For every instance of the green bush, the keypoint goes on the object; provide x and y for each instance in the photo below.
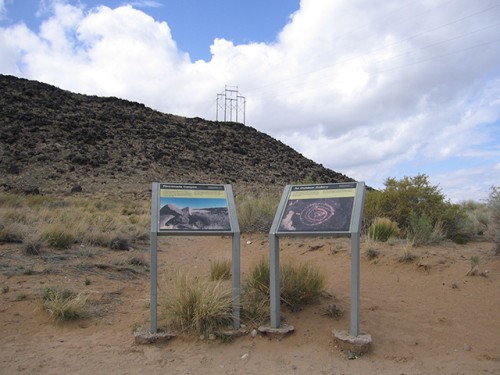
(400, 198)
(382, 229)
(478, 218)
(421, 229)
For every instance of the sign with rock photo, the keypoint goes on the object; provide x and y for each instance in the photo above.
(193, 207)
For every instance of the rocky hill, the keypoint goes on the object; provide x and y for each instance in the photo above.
(52, 140)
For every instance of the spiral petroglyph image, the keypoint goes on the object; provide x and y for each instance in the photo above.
(324, 214)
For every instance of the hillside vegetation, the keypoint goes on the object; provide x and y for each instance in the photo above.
(51, 140)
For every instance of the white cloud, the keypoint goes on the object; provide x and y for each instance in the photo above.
(365, 88)
(465, 184)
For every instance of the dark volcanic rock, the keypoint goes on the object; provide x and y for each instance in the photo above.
(117, 144)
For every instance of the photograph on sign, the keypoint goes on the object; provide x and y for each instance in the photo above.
(193, 208)
(318, 208)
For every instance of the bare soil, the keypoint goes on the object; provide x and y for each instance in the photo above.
(425, 317)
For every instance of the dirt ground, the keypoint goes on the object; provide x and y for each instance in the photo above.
(425, 317)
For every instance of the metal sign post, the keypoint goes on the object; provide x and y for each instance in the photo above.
(318, 210)
(194, 209)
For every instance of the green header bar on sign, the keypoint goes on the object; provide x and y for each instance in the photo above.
(326, 193)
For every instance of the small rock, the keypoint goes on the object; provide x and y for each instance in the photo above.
(467, 348)
(31, 190)
(211, 337)
(351, 355)
(249, 242)
(244, 356)
(76, 189)
(142, 337)
(253, 333)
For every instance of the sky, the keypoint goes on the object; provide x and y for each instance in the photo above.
(370, 89)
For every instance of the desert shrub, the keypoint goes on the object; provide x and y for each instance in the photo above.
(372, 254)
(299, 283)
(32, 244)
(59, 238)
(256, 214)
(64, 304)
(400, 198)
(137, 260)
(407, 257)
(220, 270)
(420, 229)
(119, 243)
(13, 232)
(382, 229)
(474, 266)
(200, 307)
(478, 217)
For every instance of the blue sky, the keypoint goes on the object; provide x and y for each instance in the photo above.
(369, 89)
(194, 23)
(195, 202)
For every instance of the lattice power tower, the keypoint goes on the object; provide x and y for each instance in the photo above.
(230, 105)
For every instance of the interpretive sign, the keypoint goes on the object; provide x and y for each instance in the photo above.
(193, 210)
(192, 207)
(318, 208)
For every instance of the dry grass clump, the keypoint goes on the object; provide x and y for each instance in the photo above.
(198, 306)
(32, 244)
(61, 222)
(256, 214)
(220, 270)
(59, 238)
(407, 257)
(299, 283)
(64, 304)
(372, 253)
(382, 229)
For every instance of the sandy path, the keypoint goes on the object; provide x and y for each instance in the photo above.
(425, 317)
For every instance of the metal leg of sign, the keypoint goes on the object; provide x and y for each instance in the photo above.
(154, 282)
(355, 240)
(274, 268)
(236, 280)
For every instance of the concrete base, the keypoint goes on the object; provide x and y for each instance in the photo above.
(277, 332)
(235, 332)
(142, 337)
(353, 345)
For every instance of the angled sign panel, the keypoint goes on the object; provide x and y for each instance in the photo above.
(321, 208)
(193, 207)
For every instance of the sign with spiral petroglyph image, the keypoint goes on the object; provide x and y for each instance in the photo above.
(318, 208)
